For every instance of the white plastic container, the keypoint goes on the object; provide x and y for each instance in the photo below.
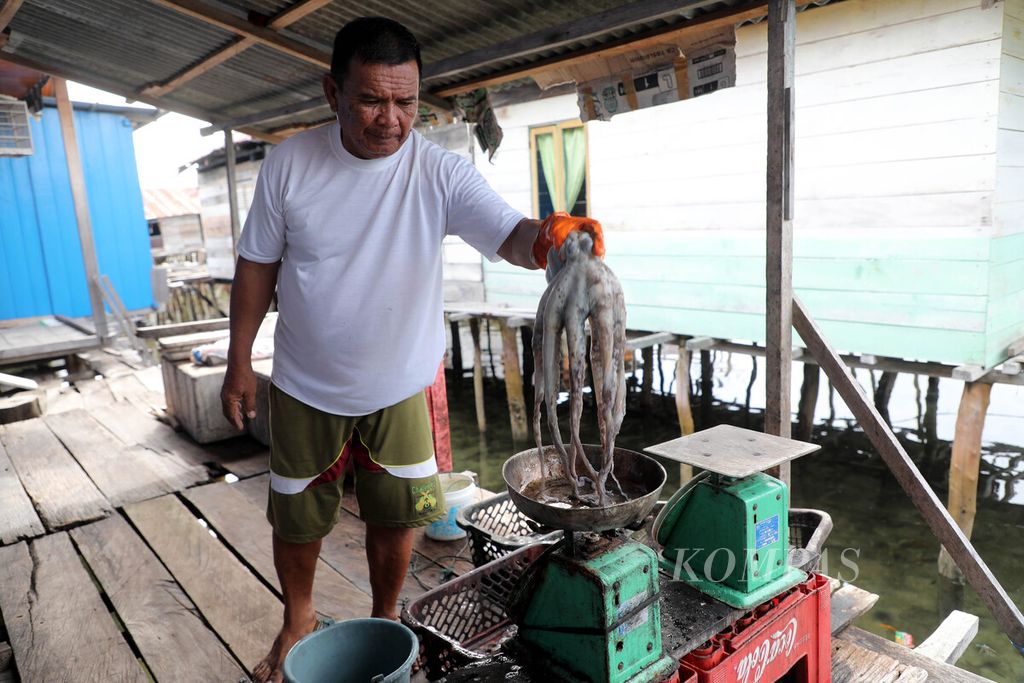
(459, 490)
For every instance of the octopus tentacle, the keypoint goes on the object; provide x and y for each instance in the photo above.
(581, 288)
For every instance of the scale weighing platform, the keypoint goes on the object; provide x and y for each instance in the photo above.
(726, 531)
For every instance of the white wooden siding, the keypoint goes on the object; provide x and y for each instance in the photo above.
(908, 114)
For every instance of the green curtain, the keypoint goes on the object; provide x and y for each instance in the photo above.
(546, 151)
(574, 141)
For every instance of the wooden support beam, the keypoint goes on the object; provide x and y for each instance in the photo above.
(650, 340)
(268, 115)
(478, 375)
(236, 229)
(965, 465)
(232, 49)
(157, 331)
(215, 16)
(7, 13)
(808, 401)
(779, 259)
(968, 373)
(81, 201)
(910, 479)
(647, 385)
(526, 333)
(700, 343)
(513, 382)
(1012, 367)
(119, 89)
(631, 42)
(707, 374)
(683, 409)
(456, 349)
(883, 392)
(615, 19)
(950, 640)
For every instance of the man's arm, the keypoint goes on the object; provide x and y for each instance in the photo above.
(517, 248)
(251, 293)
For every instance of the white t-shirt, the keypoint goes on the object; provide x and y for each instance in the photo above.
(360, 290)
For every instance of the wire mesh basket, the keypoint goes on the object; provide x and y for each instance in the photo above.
(465, 620)
(496, 527)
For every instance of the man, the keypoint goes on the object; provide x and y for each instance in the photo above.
(347, 223)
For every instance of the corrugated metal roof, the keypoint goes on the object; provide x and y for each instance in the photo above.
(126, 45)
(164, 203)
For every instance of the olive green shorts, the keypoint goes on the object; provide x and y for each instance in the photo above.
(391, 453)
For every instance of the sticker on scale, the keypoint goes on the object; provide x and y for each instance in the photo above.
(636, 622)
(766, 532)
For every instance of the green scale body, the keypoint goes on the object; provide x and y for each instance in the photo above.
(596, 617)
(734, 536)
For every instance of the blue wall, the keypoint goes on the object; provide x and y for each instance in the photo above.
(41, 269)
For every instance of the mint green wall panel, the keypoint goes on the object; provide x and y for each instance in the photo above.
(925, 299)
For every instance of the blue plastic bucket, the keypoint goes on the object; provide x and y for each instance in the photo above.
(356, 651)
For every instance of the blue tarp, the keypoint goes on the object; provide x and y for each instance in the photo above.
(41, 268)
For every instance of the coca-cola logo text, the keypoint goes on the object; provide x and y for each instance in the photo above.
(752, 666)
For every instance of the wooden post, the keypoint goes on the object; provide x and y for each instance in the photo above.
(683, 409)
(526, 332)
(229, 155)
(977, 573)
(513, 382)
(964, 466)
(883, 392)
(647, 353)
(931, 418)
(456, 351)
(707, 374)
(808, 401)
(779, 221)
(81, 201)
(478, 375)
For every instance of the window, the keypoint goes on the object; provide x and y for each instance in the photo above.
(559, 165)
(15, 133)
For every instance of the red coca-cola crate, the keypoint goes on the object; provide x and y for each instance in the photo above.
(787, 639)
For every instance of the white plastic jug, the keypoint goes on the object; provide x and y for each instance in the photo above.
(459, 490)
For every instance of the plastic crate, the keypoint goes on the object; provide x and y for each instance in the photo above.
(465, 620)
(786, 638)
(496, 527)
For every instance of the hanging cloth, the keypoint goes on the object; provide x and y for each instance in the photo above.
(574, 142)
(546, 150)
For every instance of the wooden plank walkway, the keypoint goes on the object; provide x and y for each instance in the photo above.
(166, 572)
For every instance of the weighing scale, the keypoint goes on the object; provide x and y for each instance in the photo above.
(726, 531)
(589, 606)
(592, 607)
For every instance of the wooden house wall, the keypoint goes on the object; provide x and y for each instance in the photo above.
(215, 215)
(898, 107)
(1006, 282)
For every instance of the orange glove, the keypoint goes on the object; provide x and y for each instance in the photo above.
(557, 227)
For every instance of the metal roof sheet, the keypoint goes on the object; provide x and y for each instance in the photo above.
(124, 46)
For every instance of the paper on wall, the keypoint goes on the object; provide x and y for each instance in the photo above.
(644, 78)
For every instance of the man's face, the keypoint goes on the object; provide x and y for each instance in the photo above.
(376, 106)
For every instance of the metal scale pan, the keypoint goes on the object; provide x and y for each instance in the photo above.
(641, 476)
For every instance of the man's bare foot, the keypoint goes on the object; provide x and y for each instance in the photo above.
(272, 667)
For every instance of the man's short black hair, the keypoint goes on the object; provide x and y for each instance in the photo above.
(373, 40)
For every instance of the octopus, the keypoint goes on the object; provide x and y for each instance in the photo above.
(581, 289)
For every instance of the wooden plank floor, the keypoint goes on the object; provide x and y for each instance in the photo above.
(125, 555)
